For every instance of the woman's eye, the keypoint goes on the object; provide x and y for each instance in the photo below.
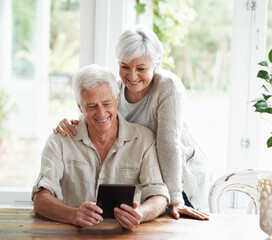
(141, 69)
(125, 67)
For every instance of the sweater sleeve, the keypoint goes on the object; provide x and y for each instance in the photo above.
(170, 119)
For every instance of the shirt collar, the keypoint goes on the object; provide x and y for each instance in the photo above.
(82, 131)
(126, 131)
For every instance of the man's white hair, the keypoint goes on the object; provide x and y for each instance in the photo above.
(90, 77)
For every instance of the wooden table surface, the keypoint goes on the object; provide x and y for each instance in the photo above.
(24, 224)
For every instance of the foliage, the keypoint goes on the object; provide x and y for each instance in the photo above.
(203, 60)
(64, 43)
(6, 108)
(264, 104)
(23, 35)
(196, 39)
(139, 7)
(171, 22)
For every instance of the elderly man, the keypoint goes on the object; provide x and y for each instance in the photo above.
(107, 149)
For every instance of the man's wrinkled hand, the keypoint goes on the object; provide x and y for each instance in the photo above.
(127, 216)
(88, 214)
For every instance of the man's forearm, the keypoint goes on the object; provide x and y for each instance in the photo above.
(153, 207)
(50, 207)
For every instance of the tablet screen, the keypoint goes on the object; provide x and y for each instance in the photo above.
(113, 195)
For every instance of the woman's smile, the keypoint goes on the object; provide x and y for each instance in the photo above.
(134, 82)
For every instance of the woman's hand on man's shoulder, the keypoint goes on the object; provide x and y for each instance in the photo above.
(66, 126)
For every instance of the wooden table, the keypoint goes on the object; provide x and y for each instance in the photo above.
(24, 224)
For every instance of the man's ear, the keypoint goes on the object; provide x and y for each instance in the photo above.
(79, 108)
(117, 99)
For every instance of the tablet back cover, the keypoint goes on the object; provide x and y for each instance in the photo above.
(113, 195)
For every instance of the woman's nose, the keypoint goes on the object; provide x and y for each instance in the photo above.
(132, 76)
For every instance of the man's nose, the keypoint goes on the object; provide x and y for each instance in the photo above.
(100, 112)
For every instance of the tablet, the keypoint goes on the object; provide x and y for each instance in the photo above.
(113, 195)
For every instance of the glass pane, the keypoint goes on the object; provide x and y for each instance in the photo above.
(206, 68)
(64, 58)
(23, 39)
(39, 95)
(197, 38)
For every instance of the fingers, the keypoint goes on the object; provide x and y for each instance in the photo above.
(75, 122)
(195, 214)
(127, 216)
(123, 221)
(175, 213)
(87, 221)
(59, 130)
(88, 214)
(65, 126)
(182, 209)
(129, 211)
(135, 205)
(93, 207)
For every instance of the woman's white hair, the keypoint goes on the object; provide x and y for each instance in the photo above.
(137, 42)
(92, 76)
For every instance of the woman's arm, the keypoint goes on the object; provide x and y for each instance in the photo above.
(172, 154)
(170, 118)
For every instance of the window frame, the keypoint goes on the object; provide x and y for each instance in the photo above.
(248, 49)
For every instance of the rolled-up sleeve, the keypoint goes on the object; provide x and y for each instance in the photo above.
(51, 169)
(150, 176)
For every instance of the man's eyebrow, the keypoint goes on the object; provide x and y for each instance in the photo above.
(90, 103)
(107, 101)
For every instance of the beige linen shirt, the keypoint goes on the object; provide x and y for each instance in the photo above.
(71, 169)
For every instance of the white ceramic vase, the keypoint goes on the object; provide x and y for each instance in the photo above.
(265, 183)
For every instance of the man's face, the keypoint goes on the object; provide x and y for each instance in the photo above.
(99, 108)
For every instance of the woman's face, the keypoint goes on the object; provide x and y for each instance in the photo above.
(137, 74)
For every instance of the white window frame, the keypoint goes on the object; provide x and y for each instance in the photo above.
(21, 198)
(248, 48)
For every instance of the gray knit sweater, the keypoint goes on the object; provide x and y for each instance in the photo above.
(183, 165)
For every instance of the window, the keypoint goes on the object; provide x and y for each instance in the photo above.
(39, 59)
(204, 67)
(39, 55)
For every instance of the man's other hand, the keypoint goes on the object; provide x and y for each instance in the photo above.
(127, 216)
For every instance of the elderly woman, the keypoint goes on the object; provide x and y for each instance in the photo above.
(156, 98)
